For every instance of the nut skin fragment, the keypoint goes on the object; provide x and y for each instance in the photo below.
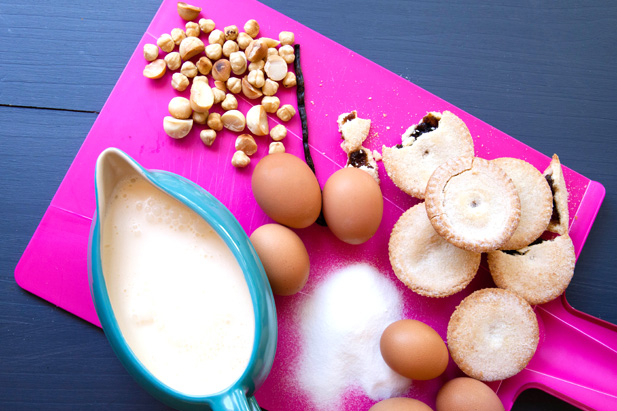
(178, 35)
(276, 68)
(179, 82)
(214, 121)
(270, 88)
(231, 32)
(200, 118)
(207, 137)
(206, 25)
(271, 104)
(166, 43)
(249, 91)
(238, 62)
(230, 102)
(234, 120)
(214, 51)
(180, 108)
(240, 159)
(286, 112)
(270, 42)
(287, 38)
(244, 40)
(221, 70)
(287, 53)
(202, 97)
(176, 128)
(276, 147)
(246, 143)
(192, 29)
(234, 85)
(187, 11)
(151, 52)
(188, 69)
(229, 47)
(256, 50)
(216, 37)
(256, 78)
(156, 69)
(219, 95)
(278, 132)
(190, 47)
(289, 80)
(257, 120)
(251, 28)
(173, 61)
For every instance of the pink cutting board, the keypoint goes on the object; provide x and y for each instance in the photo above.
(54, 265)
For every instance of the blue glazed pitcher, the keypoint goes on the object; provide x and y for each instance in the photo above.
(112, 166)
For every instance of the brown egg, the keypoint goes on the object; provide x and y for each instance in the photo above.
(283, 256)
(400, 404)
(286, 190)
(467, 394)
(352, 205)
(414, 350)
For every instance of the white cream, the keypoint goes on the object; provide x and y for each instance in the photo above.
(176, 289)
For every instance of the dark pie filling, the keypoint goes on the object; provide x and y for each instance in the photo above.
(429, 123)
(555, 218)
(518, 252)
(358, 159)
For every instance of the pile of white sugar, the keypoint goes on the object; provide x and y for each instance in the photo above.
(341, 324)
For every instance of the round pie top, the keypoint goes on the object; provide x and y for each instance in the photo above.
(536, 201)
(473, 204)
(538, 273)
(424, 261)
(410, 164)
(492, 334)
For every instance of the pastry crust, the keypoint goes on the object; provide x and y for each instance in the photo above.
(536, 201)
(410, 166)
(538, 273)
(560, 219)
(492, 334)
(473, 204)
(354, 131)
(424, 261)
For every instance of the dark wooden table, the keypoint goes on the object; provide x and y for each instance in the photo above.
(542, 71)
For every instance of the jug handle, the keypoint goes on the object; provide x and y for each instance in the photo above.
(236, 400)
(576, 360)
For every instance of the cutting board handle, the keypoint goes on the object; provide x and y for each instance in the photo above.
(576, 360)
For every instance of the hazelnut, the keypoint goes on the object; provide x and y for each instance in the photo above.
(270, 87)
(219, 95)
(190, 47)
(287, 38)
(179, 82)
(220, 85)
(216, 37)
(278, 132)
(234, 120)
(270, 42)
(214, 121)
(173, 60)
(204, 65)
(251, 28)
(244, 40)
(229, 47)
(201, 94)
(256, 50)
(257, 65)
(230, 102)
(200, 118)
(240, 159)
(178, 35)
(231, 32)
(166, 43)
(238, 62)
(246, 143)
(257, 120)
(270, 104)
(272, 52)
(151, 52)
(288, 54)
(221, 70)
(234, 85)
(214, 51)
(180, 108)
(206, 25)
(176, 128)
(192, 29)
(188, 69)
(188, 12)
(207, 137)
(289, 80)
(286, 112)
(276, 147)
(276, 68)
(156, 69)
(249, 91)
(256, 78)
